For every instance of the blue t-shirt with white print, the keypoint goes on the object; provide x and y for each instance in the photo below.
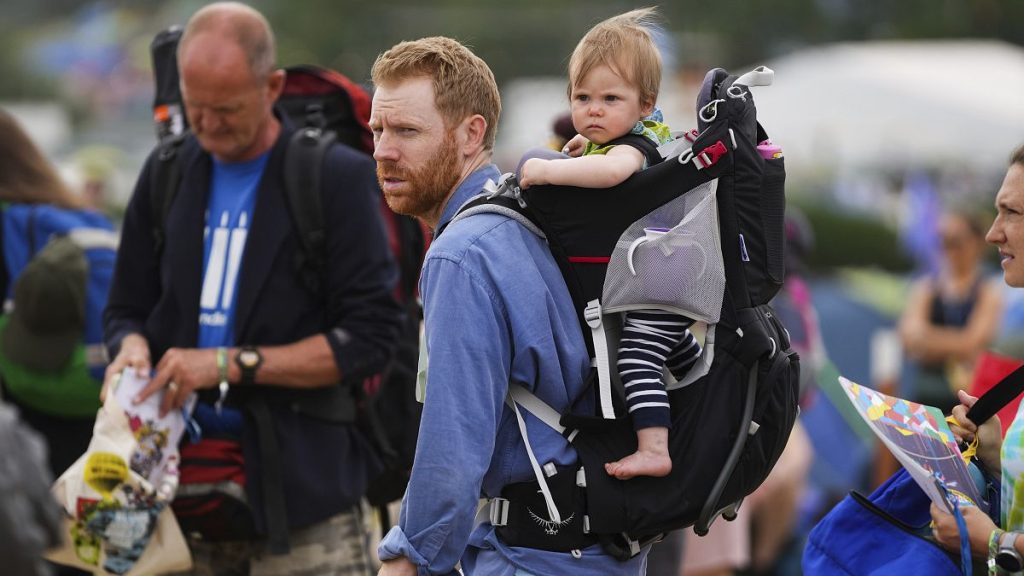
(228, 218)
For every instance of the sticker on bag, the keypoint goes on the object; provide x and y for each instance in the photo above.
(115, 496)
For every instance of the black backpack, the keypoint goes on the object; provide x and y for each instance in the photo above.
(732, 414)
(330, 108)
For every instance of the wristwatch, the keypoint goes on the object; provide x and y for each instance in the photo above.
(1007, 558)
(249, 360)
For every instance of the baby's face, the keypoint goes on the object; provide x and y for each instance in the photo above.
(605, 106)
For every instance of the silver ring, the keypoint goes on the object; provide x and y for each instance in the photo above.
(173, 387)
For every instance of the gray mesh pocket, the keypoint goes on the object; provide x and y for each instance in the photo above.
(671, 259)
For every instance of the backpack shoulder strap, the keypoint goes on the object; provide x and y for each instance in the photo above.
(164, 182)
(303, 168)
(645, 146)
(997, 397)
(503, 198)
(505, 205)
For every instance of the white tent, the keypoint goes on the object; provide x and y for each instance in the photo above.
(897, 104)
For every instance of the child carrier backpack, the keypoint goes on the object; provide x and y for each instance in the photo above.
(328, 107)
(699, 234)
(54, 308)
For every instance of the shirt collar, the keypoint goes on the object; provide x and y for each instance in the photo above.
(470, 187)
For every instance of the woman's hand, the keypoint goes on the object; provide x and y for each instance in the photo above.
(989, 434)
(979, 528)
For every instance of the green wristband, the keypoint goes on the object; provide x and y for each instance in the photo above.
(222, 364)
(993, 549)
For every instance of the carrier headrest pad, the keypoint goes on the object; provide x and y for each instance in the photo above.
(708, 92)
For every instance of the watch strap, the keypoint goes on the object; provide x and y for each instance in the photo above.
(248, 371)
(1008, 551)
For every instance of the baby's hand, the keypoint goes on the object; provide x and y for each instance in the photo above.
(575, 146)
(533, 173)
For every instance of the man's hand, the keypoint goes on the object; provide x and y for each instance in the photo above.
(134, 353)
(182, 371)
(400, 566)
(575, 146)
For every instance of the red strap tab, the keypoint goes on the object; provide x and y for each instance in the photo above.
(589, 259)
(710, 155)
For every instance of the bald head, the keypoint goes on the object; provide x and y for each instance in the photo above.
(229, 82)
(240, 24)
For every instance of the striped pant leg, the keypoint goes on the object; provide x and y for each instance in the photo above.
(648, 338)
(684, 355)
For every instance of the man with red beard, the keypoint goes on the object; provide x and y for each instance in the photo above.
(496, 310)
(219, 311)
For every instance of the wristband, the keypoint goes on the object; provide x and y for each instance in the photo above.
(993, 549)
(222, 363)
(222, 371)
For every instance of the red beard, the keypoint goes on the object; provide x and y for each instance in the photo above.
(427, 186)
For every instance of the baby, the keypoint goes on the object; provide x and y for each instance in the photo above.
(614, 77)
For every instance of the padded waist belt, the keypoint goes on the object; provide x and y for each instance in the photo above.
(520, 516)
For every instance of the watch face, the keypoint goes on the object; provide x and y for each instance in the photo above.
(249, 358)
(1009, 561)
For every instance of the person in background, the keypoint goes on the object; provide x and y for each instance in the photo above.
(28, 177)
(1003, 457)
(952, 317)
(95, 166)
(496, 310)
(264, 351)
(562, 131)
(30, 518)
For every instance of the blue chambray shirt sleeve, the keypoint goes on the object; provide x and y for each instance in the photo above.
(469, 347)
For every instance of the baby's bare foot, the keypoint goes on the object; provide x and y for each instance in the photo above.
(640, 463)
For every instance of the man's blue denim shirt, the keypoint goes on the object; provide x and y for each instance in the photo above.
(496, 310)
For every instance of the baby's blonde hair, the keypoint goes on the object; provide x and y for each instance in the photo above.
(625, 44)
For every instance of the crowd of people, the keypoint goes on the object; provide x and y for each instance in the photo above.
(225, 320)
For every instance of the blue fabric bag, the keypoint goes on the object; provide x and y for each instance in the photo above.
(882, 534)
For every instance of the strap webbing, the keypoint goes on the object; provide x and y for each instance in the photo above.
(592, 314)
(549, 500)
(274, 509)
(89, 238)
(997, 397)
(536, 406)
(303, 167)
